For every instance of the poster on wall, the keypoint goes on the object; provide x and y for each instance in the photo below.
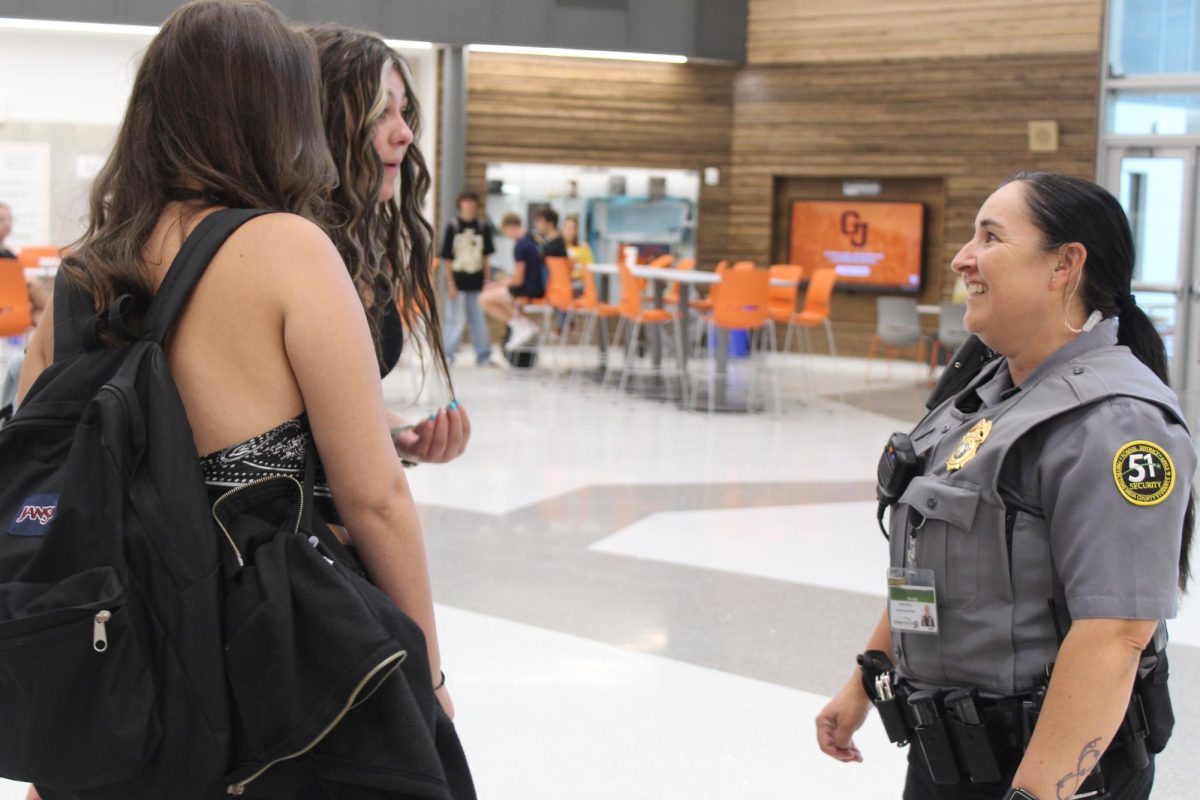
(873, 245)
(25, 187)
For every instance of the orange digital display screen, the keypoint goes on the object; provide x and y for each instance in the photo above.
(872, 245)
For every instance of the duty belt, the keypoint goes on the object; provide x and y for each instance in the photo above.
(964, 736)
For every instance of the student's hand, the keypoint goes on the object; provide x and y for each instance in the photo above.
(839, 719)
(437, 440)
(32, 794)
(453, 291)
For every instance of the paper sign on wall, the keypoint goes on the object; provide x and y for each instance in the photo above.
(25, 187)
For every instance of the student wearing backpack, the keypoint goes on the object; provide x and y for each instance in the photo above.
(467, 249)
(375, 218)
(271, 354)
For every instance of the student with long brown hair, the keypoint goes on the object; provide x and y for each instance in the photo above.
(273, 351)
(374, 216)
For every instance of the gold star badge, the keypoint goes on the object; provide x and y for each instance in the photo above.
(969, 446)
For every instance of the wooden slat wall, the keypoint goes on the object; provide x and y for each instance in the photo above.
(959, 120)
(605, 113)
(824, 31)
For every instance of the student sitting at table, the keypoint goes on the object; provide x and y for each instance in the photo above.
(526, 281)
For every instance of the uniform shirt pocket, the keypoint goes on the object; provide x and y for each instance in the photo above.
(942, 516)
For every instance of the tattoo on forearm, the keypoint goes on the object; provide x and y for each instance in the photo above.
(1088, 759)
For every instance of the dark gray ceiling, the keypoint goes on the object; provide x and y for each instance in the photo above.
(711, 29)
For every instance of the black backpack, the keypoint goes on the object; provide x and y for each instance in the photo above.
(110, 581)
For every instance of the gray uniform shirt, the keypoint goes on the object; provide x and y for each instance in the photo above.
(1047, 508)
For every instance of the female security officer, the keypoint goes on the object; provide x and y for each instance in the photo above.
(1053, 494)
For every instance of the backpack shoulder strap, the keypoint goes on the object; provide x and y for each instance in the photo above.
(74, 319)
(189, 266)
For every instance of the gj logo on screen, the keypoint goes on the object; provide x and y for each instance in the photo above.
(34, 516)
(854, 228)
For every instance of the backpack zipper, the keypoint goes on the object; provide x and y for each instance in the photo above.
(244, 487)
(394, 661)
(99, 632)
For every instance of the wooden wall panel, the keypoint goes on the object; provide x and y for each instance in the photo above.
(604, 113)
(824, 31)
(958, 121)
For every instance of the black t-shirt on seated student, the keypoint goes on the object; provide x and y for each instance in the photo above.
(534, 284)
(465, 245)
(555, 247)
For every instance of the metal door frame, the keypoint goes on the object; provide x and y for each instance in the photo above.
(1185, 366)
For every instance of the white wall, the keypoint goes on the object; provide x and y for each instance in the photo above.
(69, 90)
(66, 77)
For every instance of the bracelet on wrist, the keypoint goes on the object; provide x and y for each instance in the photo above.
(441, 683)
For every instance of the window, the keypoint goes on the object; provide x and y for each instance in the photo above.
(1153, 37)
(1153, 113)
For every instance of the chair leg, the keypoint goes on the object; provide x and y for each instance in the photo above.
(712, 372)
(935, 351)
(680, 344)
(630, 355)
(872, 352)
(609, 369)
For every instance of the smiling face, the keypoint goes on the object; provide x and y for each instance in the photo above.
(392, 135)
(1015, 288)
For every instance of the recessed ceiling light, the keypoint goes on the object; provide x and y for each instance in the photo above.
(569, 53)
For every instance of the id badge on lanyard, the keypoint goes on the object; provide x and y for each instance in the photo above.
(912, 600)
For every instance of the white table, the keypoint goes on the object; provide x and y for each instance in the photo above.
(33, 273)
(686, 278)
(931, 309)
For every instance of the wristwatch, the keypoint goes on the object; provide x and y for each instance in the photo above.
(1019, 794)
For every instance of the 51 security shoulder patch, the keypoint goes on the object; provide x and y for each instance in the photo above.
(1144, 473)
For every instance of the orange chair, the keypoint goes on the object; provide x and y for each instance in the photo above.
(742, 266)
(633, 317)
(16, 309)
(590, 307)
(558, 290)
(663, 262)
(32, 256)
(706, 303)
(671, 298)
(742, 304)
(559, 295)
(817, 302)
(783, 298)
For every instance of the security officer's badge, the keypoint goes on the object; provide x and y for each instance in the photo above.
(1144, 473)
(969, 446)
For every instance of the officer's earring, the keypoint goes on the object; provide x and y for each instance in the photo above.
(1093, 319)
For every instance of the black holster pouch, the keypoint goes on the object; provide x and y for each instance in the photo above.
(971, 734)
(888, 697)
(1156, 704)
(932, 733)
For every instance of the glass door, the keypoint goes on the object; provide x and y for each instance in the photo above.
(1157, 187)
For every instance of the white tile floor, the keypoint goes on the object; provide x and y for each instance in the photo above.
(546, 715)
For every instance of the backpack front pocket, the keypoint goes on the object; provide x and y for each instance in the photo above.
(76, 691)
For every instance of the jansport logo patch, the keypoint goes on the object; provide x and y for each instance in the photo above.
(34, 515)
(1144, 473)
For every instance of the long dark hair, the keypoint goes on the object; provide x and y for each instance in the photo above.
(387, 247)
(226, 100)
(1067, 209)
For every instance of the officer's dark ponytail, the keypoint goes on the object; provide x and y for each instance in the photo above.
(1067, 209)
